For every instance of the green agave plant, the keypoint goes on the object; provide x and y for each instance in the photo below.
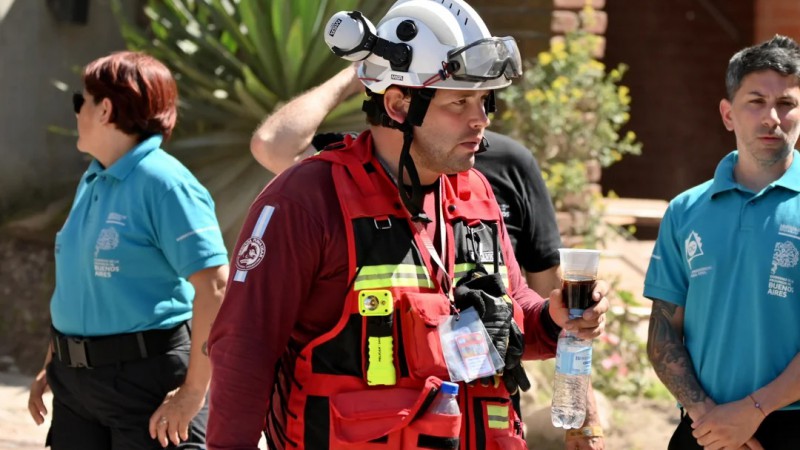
(235, 61)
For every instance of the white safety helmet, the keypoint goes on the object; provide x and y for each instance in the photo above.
(441, 44)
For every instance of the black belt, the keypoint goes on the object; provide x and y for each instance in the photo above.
(89, 352)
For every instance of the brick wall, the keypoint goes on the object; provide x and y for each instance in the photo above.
(527, 20)
(568, 16)
(777, 16)
(677, 51)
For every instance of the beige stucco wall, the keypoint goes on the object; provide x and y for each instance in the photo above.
(36, 50)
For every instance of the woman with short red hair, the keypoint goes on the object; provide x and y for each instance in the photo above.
(141, 270)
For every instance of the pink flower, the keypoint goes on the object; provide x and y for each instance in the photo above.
(615, 360)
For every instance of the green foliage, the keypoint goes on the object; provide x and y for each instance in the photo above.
(236, 61)
(569, 110)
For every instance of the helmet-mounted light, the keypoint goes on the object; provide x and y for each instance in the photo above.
(351, 36)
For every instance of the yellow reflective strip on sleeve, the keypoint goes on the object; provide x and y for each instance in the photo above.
(498, 416)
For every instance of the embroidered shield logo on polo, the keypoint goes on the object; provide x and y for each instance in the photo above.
(694, 247)
(250, 254)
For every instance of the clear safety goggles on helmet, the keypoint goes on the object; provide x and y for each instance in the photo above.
(486, 59)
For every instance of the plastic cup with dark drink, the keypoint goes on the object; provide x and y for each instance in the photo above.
(579, 267)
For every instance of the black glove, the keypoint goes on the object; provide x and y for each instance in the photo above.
(487, 295)
(514, 375)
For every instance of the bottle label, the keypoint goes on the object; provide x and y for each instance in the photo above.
(574, 360)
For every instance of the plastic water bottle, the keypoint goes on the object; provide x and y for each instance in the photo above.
(573, 373)
(446, 402)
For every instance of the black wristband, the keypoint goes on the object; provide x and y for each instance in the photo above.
(550, 327)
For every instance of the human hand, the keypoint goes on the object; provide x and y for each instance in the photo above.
(354, 84)
(170, 422)
(752, 444)
(730, 425)
(592, 323)
(574, 442)
(36, 406)
(699, 409)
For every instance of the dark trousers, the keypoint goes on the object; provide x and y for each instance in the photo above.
(109, 407)
(778, 431)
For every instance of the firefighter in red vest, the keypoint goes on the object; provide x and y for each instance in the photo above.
(369, 274)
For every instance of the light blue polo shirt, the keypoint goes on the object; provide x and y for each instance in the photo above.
(730, 256)
(136, 232)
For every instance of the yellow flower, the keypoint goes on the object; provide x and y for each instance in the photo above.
(534, 96)
(577, 93)
(560, 82)
(630, 136)
(559, 50)
(545, 58)
(624, 95)
(597, 65)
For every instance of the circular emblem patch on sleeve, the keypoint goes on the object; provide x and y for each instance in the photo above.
(250, 254)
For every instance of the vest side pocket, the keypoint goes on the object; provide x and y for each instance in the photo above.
(433, 431)
(421, 314)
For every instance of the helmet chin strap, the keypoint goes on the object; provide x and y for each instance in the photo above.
(412, 200)
(420, 100)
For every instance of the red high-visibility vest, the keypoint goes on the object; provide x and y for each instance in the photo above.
(329, 393)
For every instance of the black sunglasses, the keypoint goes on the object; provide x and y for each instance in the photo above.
(77, 102)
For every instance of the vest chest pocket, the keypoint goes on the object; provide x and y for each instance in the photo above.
(420, 317)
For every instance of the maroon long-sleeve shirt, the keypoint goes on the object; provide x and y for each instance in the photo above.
(294, 286)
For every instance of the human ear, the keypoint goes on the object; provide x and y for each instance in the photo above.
(106, 110)
(396, 104)
(725, 108)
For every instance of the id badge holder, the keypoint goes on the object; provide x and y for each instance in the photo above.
(468, 351)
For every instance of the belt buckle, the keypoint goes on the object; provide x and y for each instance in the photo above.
(77, 352)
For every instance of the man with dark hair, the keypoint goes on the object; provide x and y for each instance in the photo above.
(724, 335)
(288, 136)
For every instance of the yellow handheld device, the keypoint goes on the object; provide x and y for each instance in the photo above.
(377, 306)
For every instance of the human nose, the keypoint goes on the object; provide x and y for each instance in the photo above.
(771, 118)
(480, 118)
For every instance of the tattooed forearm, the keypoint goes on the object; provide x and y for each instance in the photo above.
(669, 356)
